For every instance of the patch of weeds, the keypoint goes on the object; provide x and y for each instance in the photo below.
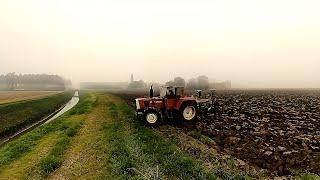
(228, 176)
(176, 141)
(207, 140)
(204, 139)
(231, 163)
(71, 132)
(307, 176)
(51, 162)
(195, 134)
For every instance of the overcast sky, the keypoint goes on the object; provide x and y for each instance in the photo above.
(271, 43)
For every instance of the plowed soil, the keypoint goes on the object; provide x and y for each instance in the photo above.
(277, 130)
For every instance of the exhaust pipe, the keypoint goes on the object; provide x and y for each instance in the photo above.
(151, 92)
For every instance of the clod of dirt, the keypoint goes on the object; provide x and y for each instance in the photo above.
(268, 153)
(280, 148)
(233, 140)
(287, 153)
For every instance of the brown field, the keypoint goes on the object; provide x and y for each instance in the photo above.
(13, 96)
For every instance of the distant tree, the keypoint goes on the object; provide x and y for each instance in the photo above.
(203, 82)
(2, 78)
(11, 81)
(192, 84)
(170, 83)
(178, 81)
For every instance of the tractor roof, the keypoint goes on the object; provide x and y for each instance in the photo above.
(172, 86)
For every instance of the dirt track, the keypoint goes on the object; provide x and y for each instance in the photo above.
(275, 130)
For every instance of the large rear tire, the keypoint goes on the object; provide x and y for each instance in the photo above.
(151, 118)
(188, 112)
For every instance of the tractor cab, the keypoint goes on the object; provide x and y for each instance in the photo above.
(172, 92)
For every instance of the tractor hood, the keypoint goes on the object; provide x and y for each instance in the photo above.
(141, 102)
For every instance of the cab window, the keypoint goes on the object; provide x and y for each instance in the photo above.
(170, 93)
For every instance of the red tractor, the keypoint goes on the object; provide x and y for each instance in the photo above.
(174, 103)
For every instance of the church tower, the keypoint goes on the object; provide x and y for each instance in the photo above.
(131, 80)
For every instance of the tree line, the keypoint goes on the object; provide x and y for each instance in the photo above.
(201, 82)
(13, 81)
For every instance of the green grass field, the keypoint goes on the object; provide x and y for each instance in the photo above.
(101, 138)
(17, 115)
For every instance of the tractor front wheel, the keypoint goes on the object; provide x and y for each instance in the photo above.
(151, 118)
(188, 112)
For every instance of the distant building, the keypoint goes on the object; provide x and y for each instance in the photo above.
(132, 79)
(136, 84)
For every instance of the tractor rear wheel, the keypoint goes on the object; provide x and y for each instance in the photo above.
(151, 118)
(188, 112)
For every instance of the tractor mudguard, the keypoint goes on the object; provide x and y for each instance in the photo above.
(182, 102)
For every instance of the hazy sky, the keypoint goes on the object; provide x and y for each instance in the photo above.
(267, 43)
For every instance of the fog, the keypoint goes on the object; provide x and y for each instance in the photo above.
(255, 44)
